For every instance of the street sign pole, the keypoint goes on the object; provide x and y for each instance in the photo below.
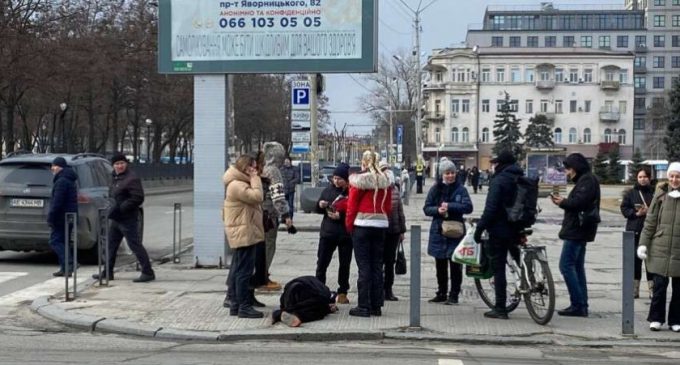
(314, 153)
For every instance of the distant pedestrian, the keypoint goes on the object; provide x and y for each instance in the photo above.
(394, 235)
(369, 204)
(474, 178)
(420, 176)
(405, 184)
(579, 226)
(447, 200)
(660, 248)
(461, 175)
(333, 234)
(304, 299)
(243, 225)
(634, 207)
(127, 195)
(64, 200)
(291, 178)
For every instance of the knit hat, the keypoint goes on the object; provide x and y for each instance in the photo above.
(384, 164)
(118, 157)
(504, 158)
(673, 167)
(445, 166)
(59, 161)
(342, 171)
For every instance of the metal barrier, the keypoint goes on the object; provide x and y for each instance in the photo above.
(71, 230)
(176, 238)
(415, 277)
(628, 302)
(103, 247)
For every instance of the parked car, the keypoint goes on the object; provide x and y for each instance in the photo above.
(25, 193)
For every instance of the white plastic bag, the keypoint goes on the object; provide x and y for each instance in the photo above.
(468, 251)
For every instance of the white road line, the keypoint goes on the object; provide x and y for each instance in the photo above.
(447, 351)
(450, 362)
(8, 275)
(48, 287)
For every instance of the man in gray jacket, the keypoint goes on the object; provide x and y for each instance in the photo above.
(291, 177)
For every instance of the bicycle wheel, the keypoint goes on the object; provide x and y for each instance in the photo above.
(540, 298)
(486, 290)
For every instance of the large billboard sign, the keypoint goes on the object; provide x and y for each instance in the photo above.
(267, 36)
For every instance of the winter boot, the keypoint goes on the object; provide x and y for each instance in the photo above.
(389, 295)
(636, 289)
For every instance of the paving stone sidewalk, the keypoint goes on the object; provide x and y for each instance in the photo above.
(186, 303)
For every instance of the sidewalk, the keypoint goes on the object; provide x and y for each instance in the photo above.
(186, 303)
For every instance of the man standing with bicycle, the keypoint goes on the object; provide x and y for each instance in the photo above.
(503, 235)
(579, 226)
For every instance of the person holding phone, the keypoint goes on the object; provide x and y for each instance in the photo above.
(634, 207)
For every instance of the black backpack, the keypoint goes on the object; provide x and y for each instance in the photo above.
(524, 208)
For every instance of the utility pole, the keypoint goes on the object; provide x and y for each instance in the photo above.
(419, 92)
(314, 150)
(390, 140)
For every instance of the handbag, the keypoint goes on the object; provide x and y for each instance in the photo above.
(267, 222)
(400, 264)
(453, 229)
(591, 216)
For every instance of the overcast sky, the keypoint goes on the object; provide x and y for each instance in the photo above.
(444, 23)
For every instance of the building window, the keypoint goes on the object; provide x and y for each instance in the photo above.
(529, 75)
(586, 135)
(529, 106)
(675, 61)
(572, 135)
(465, 136)
(586, 41)
(568, 21)
(622, 41)
(460, 75)
(532, 41)
(559, 75)
(659, 41)
(588, 75)
(607, 135)
(623, 106)
(587, 106)
(639, 123)
(466, 105)
(486, 74)
(515, 41)
(623, 76)
(675, 41)
(544, 106)
(658, 82)
(437, 108)
(640, 82)
(455, 105)
(558, 107)
(515, 74)
(454, 135)
(568, 41)
(557, 135)
(550, 41)
(622, 136)
(485, 106)
(485, 135)
(640, 41)
(572, 106)
(500, 74)
(545, 75)
(604, 41)
(496, 41)
(514, 105)
(659, 61)
(639, 104)
(675, 20)
(659, 20)
(676, 2)
(659, 2)
(573, 75)
(437, 135)
(640, 61)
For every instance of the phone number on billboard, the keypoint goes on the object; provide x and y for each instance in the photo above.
(307, 22)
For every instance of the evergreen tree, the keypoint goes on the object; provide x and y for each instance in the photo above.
(538, 133)
(506, 131)
(672, 139)
(635, 166)
(600, 167)
(614, 168)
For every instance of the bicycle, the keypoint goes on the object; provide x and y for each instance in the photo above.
(528, 277)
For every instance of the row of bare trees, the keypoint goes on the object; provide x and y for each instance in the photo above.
(81, 75)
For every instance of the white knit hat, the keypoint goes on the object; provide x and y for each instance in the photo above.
(673, 167)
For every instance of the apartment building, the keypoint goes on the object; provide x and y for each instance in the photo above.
(587, 94)
(648, 28)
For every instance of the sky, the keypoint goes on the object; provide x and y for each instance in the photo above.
(444, 24)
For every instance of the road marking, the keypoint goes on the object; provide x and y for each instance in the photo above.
(47, 287)
(450, 362)
(172, 211)
(8, 275)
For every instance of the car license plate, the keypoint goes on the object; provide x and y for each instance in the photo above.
(27, 203)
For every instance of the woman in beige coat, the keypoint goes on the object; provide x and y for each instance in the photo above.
(242, 214)
(660, 248)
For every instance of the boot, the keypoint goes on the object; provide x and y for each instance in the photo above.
(453, 299)
(144, 278)
(636, 289)
(650, 285)
(496, 314)
(249, 312)
(389, 295)
(439, 298)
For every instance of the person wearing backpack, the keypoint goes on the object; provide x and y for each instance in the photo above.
(503, 234)
(579, 226)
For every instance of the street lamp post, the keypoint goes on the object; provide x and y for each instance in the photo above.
(148, 123)
(62, 137)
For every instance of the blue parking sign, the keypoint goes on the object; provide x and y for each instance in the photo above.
(300, 97)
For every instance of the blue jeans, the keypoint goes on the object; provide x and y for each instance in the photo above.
(58, 243)
(290, 198)
(572, 267)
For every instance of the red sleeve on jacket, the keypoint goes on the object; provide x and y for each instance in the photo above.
(341, 205)
(352, 208)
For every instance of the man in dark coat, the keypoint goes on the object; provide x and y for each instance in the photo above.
(127, 195)
(577, 230)
(304, 299)
(64, 200)
(291, 177)
(333, 205)
(503, 235)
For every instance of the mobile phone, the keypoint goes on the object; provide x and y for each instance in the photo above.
(638, 206)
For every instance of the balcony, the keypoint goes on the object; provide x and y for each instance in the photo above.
(434, 117)
(545, 84)
(550, 116)
(640, 69)
(451, 146)
(434, 86)
(610, 85)
(609, 114)
(641, 48)
(640, 90)
(640, 110)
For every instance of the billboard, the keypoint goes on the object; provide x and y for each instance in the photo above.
(267, 36)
